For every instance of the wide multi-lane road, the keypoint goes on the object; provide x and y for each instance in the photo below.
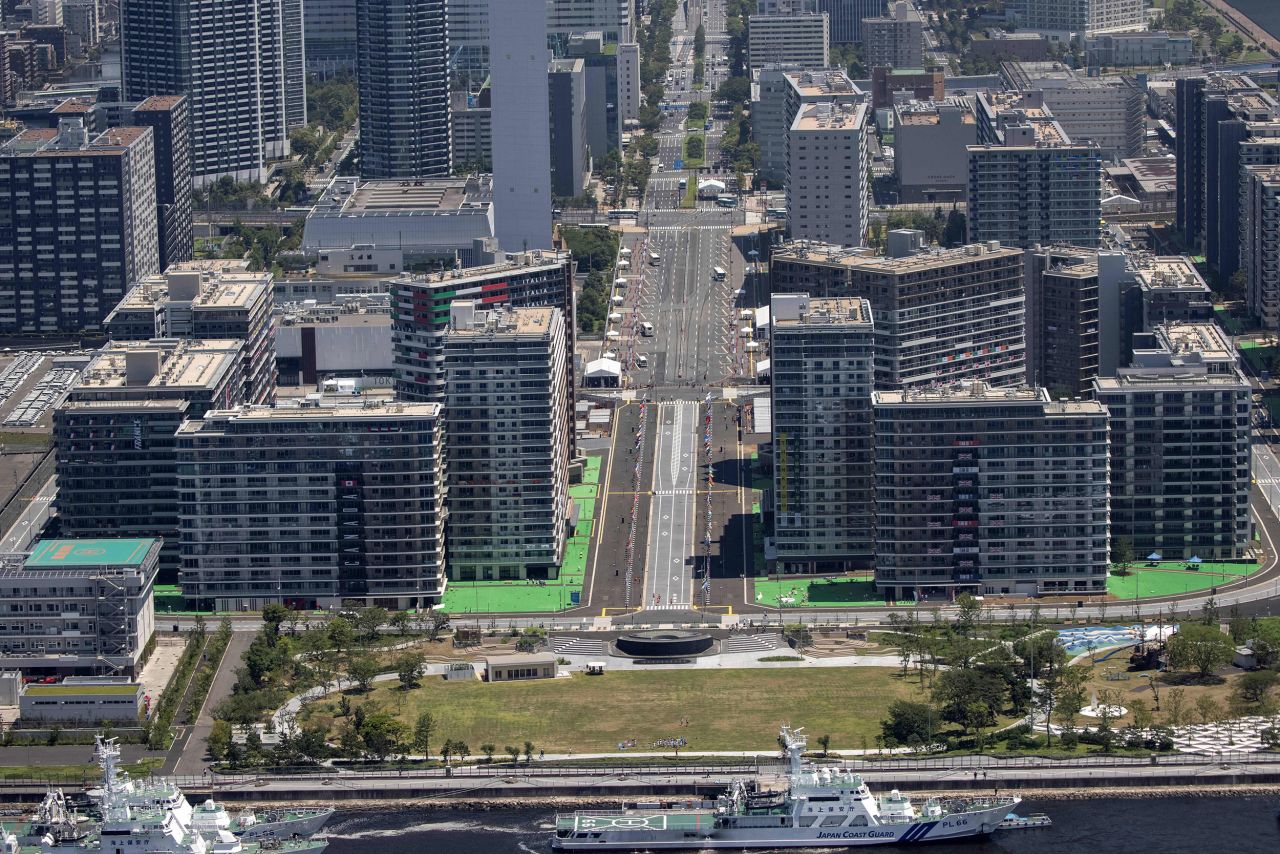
(691, 313)
(672, 520)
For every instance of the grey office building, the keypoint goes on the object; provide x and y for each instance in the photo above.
(361, 522)
(989, 491)
(228, 56)
(822, 355)
(77, 224)
(403, 72)
(846, 17)
(1180, 445)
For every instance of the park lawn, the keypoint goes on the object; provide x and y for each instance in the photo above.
(726, 709)
(694, 162)
(1259, 356)
(141, 768)
(1171, 577)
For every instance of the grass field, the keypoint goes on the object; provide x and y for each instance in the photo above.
(141, 768)
(1257, 355)
(819, 592)
(1171, 577)
(513, 597)
(726, 709)
(694, 162)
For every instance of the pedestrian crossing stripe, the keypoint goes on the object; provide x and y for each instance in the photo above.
(673, 492)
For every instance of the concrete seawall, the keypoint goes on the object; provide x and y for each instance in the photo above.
(589, 790)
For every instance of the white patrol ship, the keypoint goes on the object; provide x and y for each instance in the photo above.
(821, 808)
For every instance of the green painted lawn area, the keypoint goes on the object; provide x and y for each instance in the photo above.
(1225, 319)
(1171, 577)
(503, 597)
(819, 592)
(726, 709)
(141, 768)
(1258, 356)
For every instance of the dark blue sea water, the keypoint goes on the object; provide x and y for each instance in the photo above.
(1265, 13)
(1217, 825)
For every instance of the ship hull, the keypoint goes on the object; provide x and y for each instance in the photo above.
(303, 825)
(952, 827)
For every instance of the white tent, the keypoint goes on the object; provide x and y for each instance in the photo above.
(612, 335)
(614, 317)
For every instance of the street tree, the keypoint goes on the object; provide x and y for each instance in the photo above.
(409, 668)
(488, 750)
(1175, 707)
(969, 698)
(968, 610)
(362, 669)
(423, 729)
(513, 752)
(1202, 648)
(369, 620)
(400, 621)
(910, 723)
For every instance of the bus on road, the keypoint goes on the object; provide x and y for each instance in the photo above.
(718, 274)
(624, 213)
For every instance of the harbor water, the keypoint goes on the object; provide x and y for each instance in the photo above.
(1265, 13)
(1176, 825)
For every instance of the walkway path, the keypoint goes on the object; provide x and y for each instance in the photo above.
(186, 756)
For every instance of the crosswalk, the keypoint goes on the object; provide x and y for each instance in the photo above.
(673, 492)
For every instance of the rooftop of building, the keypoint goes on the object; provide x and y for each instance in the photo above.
(930, 112)
(469, 320)
(897, 12)
(1207, 339)
(1171, 272)
(77, 690)
(1265, 173)
(351, 196)
(968, 393)
(315, 407)
(864, 259)
(161, 363)
(1152, 174)
(70, 554)
(203, 285)
(1049, 74)
(71, 139)
(823, 311)
(534, 258)
(817, 83)
(830, 117)
(160, 102)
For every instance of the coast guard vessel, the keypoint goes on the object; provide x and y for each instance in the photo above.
(821, 808)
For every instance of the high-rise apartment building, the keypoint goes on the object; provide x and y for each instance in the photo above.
(113, 435)
(567, 102)
(1085, 17)
(1180, 445)
(940, 315)
(295, 63)
(1108, 111)
(1063, 327)
(781, 94)
(507, 409)
(629, 100)
(403, 71)
(420, 310)
(828, 195)
(169, 117)
(1260, 243)
(362, 520)
(796, 41)
(201, 299)
(228, 57)
(521, 127)
(329, 28)
(822, 352)
(77, 224)
(1224, 123)
(989, 490)
(1031, 184)
(846, 17)
(896, 39)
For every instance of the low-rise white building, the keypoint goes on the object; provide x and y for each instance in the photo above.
(84, 700)
(78, 606)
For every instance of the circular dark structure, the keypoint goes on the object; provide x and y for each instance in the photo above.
(667, 642)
